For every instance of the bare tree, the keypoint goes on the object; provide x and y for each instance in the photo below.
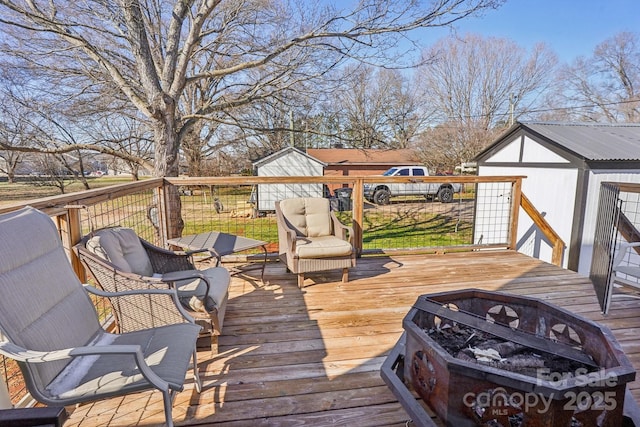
(406, 111)
(606, 86)
(478, 85)
(13, 133)
(376, 108)
(123, 134)
(151, 52)
(54, 172)
(362, 105)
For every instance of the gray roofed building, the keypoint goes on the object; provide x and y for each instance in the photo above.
(593, 141)
(564, 165)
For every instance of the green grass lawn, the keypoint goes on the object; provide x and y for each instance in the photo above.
(25, 190)
(407, 225)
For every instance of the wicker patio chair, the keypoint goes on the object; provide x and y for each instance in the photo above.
(50, 326)
(120, 260)
(311, 238)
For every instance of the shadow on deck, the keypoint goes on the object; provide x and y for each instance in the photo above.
(313, 356)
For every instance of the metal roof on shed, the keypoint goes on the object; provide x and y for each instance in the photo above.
(591, 141)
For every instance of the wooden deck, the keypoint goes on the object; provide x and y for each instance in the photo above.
(312, 357)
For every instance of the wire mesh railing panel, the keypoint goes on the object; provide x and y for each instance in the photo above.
(493, 213)
(604, 241)
(410, 222)
(134, 211)
(245, 210)
(404, 223)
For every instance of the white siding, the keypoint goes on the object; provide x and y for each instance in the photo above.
(552, 191)
(290, 164)
(509, 153)
(536, 153)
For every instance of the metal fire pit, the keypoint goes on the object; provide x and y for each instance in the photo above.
(469, 393)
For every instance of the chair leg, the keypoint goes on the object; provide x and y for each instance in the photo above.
(168, 406)
(196, 373)
(345, 275)
(300, 280)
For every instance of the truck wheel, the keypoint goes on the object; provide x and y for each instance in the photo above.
(445, 195)
(381, 197)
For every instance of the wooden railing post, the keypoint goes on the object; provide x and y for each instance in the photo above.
(516, 195)
(159, 195)
(358, 213)
(71, 231)
(5, 399)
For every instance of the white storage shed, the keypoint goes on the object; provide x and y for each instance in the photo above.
(287, 162)
(564, 164)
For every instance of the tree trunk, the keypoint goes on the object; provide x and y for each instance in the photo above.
(166, 163)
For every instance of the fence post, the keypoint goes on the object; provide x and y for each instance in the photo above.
(71, 227)
(516, 195)
(358, 213)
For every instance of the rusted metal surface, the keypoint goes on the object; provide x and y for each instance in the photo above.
(466, 393)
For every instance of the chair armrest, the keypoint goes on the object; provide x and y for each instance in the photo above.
(195, 251)
(176, 276)
(21, 354)
(624, 247)
(172, 292)
(341, 230)
(285, 233)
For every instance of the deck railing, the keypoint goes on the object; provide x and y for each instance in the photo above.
(483, 215)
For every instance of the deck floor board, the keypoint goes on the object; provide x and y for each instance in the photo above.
(312, 357)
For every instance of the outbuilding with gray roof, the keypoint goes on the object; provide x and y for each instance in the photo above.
(565, 164)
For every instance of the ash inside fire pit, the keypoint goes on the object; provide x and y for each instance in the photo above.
(480, 358)
(472, 345)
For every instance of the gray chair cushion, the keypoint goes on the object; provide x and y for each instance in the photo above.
(192, 292)
(33, 262)
(121, 247)
(165, 349)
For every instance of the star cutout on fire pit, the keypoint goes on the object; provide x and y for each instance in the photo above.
(503, 315)
(565, 334)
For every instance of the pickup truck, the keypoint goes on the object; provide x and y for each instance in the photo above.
(381, 193)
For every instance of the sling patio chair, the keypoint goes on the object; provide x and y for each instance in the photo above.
(625, 272)
(49, 325)
(118, 259)
(311, 238)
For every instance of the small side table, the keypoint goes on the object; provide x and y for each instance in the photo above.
(220, 244)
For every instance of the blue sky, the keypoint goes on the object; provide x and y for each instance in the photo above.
(569, 27)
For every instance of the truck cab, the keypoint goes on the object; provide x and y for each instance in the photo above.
(381, 193)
